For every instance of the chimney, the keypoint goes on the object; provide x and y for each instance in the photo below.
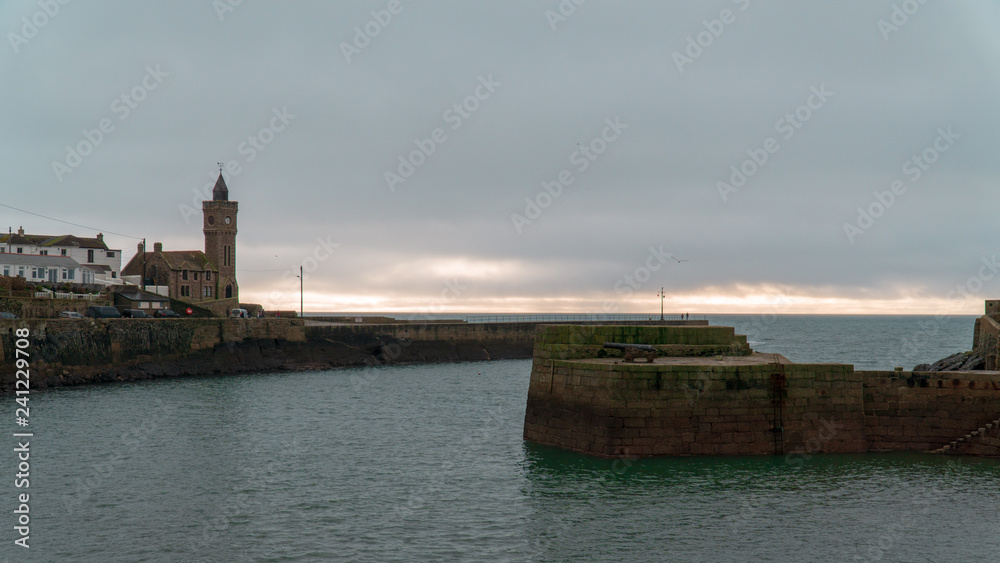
(100, 237)
(140, 248)
(20, 231)
(157, 247)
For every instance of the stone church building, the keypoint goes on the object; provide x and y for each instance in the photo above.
(204, 278)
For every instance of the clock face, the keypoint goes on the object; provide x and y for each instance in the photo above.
(211, 219)
(228, 220)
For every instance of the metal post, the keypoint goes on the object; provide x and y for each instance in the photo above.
(302, 299)
(144, 264)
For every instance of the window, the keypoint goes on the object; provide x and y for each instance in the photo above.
(114, 274)
(44, 252)
(111, 254)
(20, 271)
(63, 252)
(206, 291)
(90, 256)
(185, 291)
(41, 273)
(72, 274)
(20, 250)
(208, 276)
(34, 273)
(196, 276)
(6, 270)
(184, 275)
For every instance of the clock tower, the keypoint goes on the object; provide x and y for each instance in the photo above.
(220, 238)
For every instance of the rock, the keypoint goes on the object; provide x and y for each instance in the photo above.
(963, 361)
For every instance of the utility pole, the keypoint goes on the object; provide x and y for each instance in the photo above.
(144, 264)
(302, 299)
(661, 296)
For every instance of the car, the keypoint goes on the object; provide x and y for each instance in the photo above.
(239, 314)
(135, 314)
(164, 313)
(70, 315)
(6, 315)
(102, 312)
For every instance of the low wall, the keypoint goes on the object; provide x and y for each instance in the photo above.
(32, 308)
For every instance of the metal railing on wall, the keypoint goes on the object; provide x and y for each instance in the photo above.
(576, 318)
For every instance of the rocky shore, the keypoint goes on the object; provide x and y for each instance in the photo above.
(963, 361)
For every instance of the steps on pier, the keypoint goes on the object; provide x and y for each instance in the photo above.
(950, 448)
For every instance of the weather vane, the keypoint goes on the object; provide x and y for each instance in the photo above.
(220, 167)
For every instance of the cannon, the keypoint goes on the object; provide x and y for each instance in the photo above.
(634, 350)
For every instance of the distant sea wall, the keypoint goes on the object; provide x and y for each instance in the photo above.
(725, 406)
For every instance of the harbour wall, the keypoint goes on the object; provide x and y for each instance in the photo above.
(66, 352)
(744, 405)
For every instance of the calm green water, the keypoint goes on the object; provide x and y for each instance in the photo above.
(426, 463)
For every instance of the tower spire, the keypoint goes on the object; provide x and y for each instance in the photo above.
(220, 192)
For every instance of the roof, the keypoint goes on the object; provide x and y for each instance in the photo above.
(53, 241)
(11, 259)
(175, 260)
(139, 295)
(221, 191)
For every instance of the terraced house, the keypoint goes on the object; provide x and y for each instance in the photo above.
(103, 264)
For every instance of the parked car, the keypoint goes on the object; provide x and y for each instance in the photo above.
(239, 314)
(6, 315)
(102, 312)
(164, 313)
(135, 314)
(70, 315)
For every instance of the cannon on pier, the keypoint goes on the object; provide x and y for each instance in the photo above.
(634, 350)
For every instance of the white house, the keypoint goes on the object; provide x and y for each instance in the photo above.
(106, 263)
(41, 268)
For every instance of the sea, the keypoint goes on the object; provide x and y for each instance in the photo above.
(427, 463)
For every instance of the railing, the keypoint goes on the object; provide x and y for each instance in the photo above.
(577, 318)
(60, 295)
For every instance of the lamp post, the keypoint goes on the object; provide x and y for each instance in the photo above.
(302, 301)
(661, 295)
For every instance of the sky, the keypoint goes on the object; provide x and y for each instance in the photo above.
(525, 156)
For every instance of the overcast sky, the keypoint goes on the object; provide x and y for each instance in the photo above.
(740, 136)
